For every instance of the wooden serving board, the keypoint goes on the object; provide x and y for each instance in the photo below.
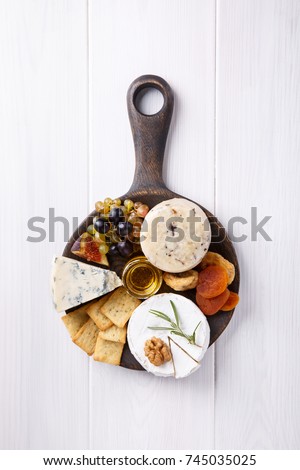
(150, 136)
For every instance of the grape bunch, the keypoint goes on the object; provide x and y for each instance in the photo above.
(118, 225)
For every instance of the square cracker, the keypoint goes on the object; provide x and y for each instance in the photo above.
(120, 307)
(86, 337)
(75, 320)
(114, 333)
(108, 351)
(95, 313)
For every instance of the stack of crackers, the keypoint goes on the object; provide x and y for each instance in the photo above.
(100, 328)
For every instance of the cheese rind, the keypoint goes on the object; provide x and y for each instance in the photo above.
(190, 315)
(175, 235)
(74, 283)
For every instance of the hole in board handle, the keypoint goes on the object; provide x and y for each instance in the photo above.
(149, 101)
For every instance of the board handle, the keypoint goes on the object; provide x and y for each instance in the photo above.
(150, 133)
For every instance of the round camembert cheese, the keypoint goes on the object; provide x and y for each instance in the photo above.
(186, 357)
(175, 235)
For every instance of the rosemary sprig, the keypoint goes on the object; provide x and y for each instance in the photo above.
(174, 328)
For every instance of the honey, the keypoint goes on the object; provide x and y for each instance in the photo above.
(140, 278)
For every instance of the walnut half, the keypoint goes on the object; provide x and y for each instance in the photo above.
(157, 351)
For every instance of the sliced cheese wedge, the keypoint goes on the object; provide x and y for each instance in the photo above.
(183, 361)
(74, 283)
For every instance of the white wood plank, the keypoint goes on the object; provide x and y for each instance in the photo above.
(258, 139)
(43, 141)
(136, 410)
(175, 40)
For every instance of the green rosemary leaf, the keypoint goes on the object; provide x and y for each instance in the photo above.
(160, 315)
(193, 338)
(173, 327)
(159, 328)
(194, 334)
(156, 311)
(178, 333)
(175, 312)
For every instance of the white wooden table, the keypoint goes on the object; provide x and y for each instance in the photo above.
(234, 144)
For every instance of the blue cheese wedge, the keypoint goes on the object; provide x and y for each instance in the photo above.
(74, 283)
(186, 357)
(175, 235)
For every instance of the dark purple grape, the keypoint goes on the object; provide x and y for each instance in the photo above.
(125, 248)
(113, 249)
(115, 215)
(124, 228)
(101, 225)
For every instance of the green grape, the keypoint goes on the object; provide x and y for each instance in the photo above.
(103, 248)
(106, 209)
(117, 202)
(99, 206)
(91, 230)
(128, 203)
(108, 201)
(100, 236)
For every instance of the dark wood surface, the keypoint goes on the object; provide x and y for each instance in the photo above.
(150, 136)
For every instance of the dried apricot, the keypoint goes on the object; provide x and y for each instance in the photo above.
(231, 302)
(212, 306)
(212, 281)
(214, 259)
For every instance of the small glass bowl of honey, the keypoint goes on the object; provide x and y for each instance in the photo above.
(140, 278)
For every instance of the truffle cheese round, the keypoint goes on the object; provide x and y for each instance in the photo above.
(175, 235)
